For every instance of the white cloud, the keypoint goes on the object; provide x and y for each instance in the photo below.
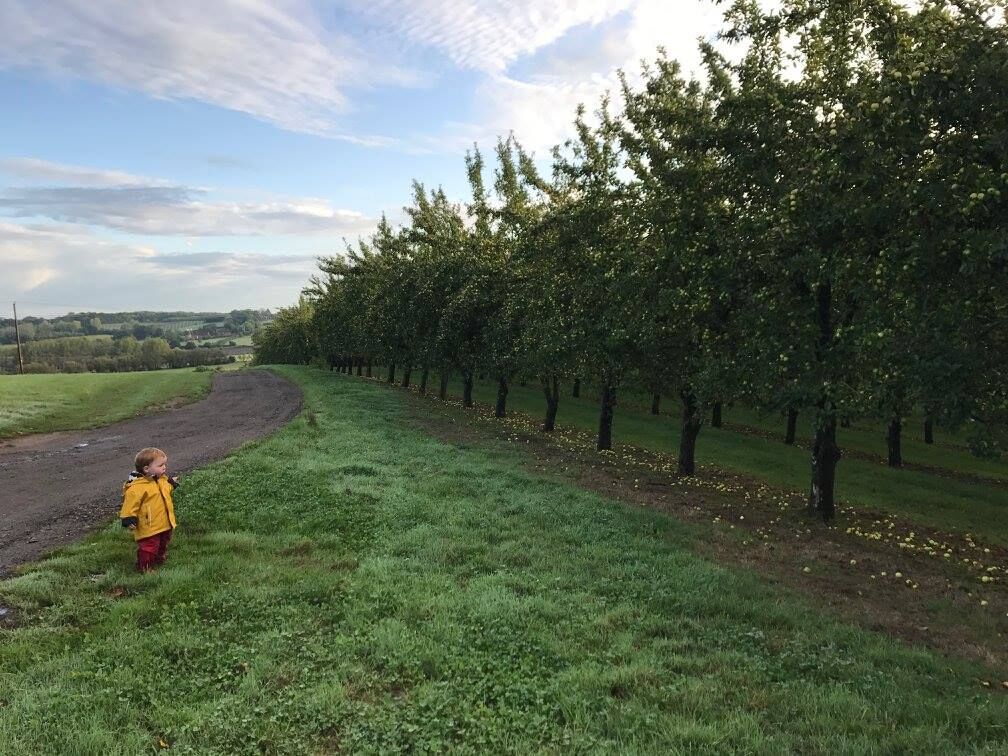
(54, 269)
(46, 171)
(275, 61)
(487, 34)
(539, 112)
(66, 263)
(34, 256)
(299, 63)
(538, 104)
(174, 211)
(203, 269)
(137, 205)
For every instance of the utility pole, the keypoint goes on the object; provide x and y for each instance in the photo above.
(17, 337)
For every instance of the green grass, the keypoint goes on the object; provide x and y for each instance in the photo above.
(949, 452)
(351, 584)
(43, 403)
(941, 502)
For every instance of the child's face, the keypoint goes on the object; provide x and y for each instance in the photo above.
(157, 467)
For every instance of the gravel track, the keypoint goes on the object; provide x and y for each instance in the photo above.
(56, 487)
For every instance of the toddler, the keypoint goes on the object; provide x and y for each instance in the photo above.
(147, 507)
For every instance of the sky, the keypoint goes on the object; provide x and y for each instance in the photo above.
(201, 155)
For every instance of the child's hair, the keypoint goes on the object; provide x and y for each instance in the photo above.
(147, 456)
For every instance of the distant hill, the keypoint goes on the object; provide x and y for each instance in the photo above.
(177, 325)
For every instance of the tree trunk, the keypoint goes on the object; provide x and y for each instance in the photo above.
(825, 455)
(691, 423)
(407, 372)
(655, 401)
(551, 388)
(893, 440)
(928, 430)
(716, 416)
(467, 386)
(423, 381)
(845, 422)
(391, 372)
(606, 416)
(502, 392)
(576, 389)
(332, 363)
(369, 367)
(360, 366)
(792, 422)
(443, 388)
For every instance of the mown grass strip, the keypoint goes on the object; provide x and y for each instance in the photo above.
(43, 403)
(352, 584)
(950, 450)
(941, 502)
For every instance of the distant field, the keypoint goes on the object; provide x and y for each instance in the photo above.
(168, 325)
(43, 403)
(223, 341)
(238, 340)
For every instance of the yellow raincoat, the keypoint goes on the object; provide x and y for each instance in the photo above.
(147, 503)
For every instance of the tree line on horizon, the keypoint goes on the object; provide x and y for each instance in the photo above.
(112, 355)
(815, 226)
(141, 324)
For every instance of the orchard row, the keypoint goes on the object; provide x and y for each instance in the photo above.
(815, 224)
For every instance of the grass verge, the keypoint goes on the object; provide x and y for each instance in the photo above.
(354, 585)
(937, 589)
(925, 497)
(44, 403)
(864, 437)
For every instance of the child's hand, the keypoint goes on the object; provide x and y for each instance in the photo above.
(131, 527)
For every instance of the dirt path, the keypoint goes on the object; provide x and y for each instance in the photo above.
(55, 487)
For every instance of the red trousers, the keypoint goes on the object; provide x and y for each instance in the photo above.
(152, 551)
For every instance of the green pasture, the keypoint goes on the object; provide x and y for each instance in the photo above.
(950, 450)
(245, 340)
(353, 585)
(43, 403)
(941, 501)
